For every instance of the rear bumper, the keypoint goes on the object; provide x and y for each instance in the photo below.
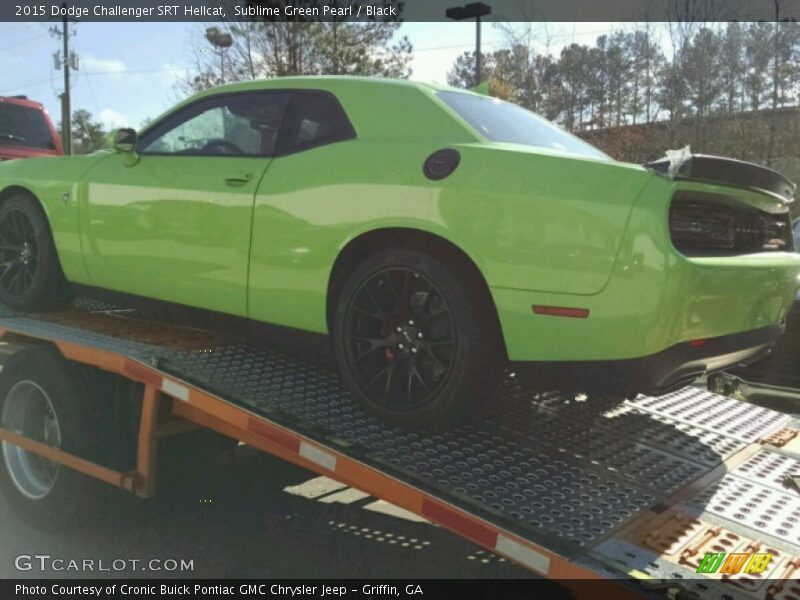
(656, 374)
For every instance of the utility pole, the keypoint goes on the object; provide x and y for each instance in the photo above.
(66, 110)
(67, 61)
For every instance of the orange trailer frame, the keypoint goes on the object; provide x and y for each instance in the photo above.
(203, 409)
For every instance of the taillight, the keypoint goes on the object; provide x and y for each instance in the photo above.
(696, 227)
(709, 224)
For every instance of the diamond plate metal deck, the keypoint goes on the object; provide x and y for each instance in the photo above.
(628, 557)
(743, 422)
(771, 469)
(552, 469)
(754, 506)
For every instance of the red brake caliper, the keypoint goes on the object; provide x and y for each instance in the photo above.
(386, 327)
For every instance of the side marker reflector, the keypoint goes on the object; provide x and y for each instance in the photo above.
(561, 311)
(697, 343)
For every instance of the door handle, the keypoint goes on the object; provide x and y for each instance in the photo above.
(239, 179)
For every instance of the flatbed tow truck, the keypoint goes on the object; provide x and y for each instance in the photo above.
(637, 491)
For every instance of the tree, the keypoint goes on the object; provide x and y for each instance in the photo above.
(342, 48)
(462, 73)
(646, 60)
(732, 67)
(701, 71)
(759, 54)
(672, 90)
(513, 72)
(283, 48)
(574, 68)
(87, 135)
(617, 62)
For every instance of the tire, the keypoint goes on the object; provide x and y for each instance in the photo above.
(396, 313)
(41, 493)
(30, 272)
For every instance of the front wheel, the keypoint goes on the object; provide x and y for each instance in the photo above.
(30, 273)
(416, 337)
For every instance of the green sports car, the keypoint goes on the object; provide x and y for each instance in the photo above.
(437, 235)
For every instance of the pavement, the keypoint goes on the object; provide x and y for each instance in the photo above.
(251, 516)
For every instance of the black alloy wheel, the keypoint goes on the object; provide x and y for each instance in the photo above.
(19, 254)
(415, 334)
(31, 277)
(400, 338)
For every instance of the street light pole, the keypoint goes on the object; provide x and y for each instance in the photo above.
(478, 56)
(475, 10)
(221, 42)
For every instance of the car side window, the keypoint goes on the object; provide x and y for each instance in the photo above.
(314, 118)
(244, 124)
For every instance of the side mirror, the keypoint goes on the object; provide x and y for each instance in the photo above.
(125, 140)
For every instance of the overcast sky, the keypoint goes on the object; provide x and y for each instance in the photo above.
(128, 70)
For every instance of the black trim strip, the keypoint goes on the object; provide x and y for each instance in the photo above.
(656, 374)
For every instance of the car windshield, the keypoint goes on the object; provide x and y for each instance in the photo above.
(24, 126)
(500, 121)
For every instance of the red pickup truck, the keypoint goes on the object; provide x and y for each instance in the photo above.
(26, 130)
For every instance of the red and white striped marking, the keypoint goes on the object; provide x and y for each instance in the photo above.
(485, 535)
(293, 443)
(165, 384)
(175, 389)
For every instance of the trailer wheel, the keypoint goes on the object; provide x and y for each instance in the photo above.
(41, 398)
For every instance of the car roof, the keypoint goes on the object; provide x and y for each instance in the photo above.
(21, 101)
(327, 81)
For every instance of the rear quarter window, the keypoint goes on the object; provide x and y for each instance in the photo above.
(500, 121)
(315, 118)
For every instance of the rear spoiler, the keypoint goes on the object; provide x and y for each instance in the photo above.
(682, 164)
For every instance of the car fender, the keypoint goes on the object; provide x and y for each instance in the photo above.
(55, 182)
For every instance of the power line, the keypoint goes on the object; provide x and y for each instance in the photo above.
(26, 85)
(35, 82)
(136, 71)
(25, 41)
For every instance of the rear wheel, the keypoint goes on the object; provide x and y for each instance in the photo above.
(415, 336)
(30, 273)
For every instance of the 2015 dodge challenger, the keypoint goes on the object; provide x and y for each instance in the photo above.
(437, 234)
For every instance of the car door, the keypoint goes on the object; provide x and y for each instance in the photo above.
(173, 221)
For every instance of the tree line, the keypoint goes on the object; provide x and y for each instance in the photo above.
(650, 72)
